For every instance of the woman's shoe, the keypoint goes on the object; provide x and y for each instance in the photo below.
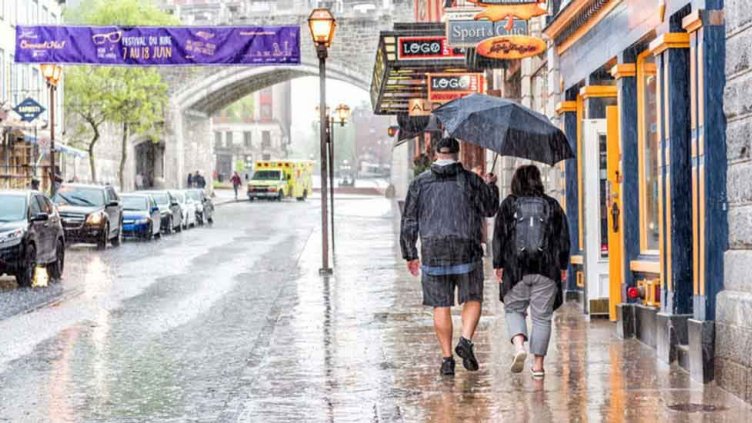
(537, 374)
(518, 363)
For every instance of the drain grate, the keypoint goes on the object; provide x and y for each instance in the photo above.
(696, 408)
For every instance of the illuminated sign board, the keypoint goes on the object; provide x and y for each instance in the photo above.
(443, 87)
(425, 48)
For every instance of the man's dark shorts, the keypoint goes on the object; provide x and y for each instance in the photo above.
(438, 291)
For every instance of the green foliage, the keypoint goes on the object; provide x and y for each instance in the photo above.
(132, 97)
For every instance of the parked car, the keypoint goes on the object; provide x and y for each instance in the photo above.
(90, 213)
(141, 217)
(187, 208)
(204, 205)
(31, 235)
(169, 211)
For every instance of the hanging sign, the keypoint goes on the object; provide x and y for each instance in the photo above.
(468, 33)
(29, 110)
(425, 48)
(498, 10)
(153, 46)
(511, 47)
(419, 107)
(443, 87)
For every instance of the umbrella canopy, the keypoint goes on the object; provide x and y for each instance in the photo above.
(505, 127)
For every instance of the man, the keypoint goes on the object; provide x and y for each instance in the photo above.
(190, 180)
(446, 206)
(235, 183)
(199, 180)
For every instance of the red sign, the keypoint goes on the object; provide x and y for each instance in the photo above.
(426, 48)
(443, 87)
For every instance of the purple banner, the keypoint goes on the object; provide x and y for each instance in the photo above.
(152, 46)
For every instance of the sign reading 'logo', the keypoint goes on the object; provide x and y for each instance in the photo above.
(443, 87)
(29, 110)
(425, 48)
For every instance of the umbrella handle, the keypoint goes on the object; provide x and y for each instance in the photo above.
(493, 166)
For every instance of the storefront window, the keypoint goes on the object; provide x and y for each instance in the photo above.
(649, 150)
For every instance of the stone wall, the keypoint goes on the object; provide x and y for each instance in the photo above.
(734, 304)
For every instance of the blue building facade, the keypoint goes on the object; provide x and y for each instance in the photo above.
(643, 105)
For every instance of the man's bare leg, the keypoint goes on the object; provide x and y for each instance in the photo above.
(470, 317)
(442, 324)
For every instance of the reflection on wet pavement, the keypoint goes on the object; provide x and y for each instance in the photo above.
(233, 323)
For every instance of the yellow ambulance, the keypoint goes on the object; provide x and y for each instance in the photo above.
(280, 179)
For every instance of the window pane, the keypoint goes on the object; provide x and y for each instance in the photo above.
(649, 198)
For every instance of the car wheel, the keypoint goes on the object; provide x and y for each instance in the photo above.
(116, 241)
(102, 242)
(25, 275)
(55, 269)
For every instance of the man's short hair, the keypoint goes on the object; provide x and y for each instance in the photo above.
(448, 145)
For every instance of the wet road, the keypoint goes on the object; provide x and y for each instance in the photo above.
(233, 323)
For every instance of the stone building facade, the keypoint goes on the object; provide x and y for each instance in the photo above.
(734, 303)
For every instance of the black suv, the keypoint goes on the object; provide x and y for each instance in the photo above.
(30, 235)
(90, 213)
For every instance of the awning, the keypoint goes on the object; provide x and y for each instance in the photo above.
(59, 146)
(403, 57)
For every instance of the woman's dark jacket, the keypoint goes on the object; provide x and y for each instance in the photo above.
(446, 206)
(555, 257)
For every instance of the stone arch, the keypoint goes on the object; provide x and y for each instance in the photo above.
(218, 90)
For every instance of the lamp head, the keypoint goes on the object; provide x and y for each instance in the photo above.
(52, 73)
(343, 113)
(322, 24)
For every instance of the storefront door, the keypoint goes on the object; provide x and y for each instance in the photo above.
(596, 253)
(614, 204)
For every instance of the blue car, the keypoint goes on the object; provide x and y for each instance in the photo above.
(141, 218)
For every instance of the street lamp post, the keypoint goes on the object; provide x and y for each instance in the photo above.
(322, 24)
(342, 113)
(52, 74)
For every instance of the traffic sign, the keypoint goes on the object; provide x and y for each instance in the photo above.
(29, 110)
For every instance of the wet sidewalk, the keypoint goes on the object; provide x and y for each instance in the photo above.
(360, 347)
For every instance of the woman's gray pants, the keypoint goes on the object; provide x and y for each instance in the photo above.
(539, 293)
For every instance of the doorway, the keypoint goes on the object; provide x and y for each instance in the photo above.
(595, 190)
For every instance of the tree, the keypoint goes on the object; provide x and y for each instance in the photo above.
(86, 95)
(137, 105)
(133, 98)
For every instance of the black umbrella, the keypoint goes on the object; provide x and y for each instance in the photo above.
(413, 126)
(505, 127)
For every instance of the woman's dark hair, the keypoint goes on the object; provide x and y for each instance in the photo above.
(527, 182)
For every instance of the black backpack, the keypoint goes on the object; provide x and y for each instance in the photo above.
(532, 216)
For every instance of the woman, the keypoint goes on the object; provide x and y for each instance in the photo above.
(531, 256)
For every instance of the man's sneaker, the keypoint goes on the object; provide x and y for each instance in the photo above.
(447, 367)
(464, 349)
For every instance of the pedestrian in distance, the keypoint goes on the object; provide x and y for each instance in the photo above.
(445, 207)
(199, 180)
(235, 183)
(531, 257)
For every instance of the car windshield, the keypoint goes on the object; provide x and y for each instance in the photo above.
(178, 197)
(161, 198)
(12, 208)
(135, 203)
(267, 175)
(194, 195)
(79, 196)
